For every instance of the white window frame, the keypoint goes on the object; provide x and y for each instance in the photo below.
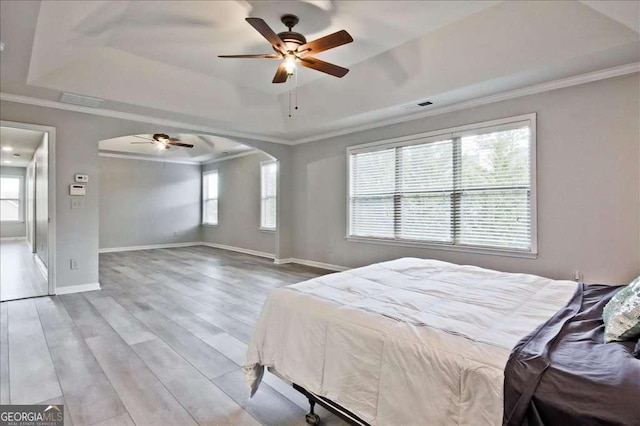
(20, 198)
(204, 200)
(262, 226)
(439, 135)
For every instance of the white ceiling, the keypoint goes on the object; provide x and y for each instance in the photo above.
(23, 143)
(205, 148)
(160, 58)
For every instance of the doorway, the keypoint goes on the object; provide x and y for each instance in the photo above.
(26, 211)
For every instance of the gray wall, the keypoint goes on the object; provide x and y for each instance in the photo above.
(588, 186)
(147, 202)
(239, 205)
(15, 229)
(41, 160)
(76, 151)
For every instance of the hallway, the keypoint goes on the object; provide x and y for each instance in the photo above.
(20, 276)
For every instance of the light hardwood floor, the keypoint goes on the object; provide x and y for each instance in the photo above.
(19, 274)
(160, 344)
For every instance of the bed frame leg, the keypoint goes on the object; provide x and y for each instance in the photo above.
(311, 417)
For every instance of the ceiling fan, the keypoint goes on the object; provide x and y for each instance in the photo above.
(163, 141)
(292, 48)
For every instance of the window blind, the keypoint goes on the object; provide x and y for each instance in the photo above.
(469, 188)
(210, 198)
(269, 183)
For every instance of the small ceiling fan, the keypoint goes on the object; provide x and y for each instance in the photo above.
(292, 48)
(163, 141)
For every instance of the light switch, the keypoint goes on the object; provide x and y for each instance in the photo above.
(77, 203)
(82, 178)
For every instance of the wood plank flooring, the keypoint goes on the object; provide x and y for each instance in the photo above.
(161, 344)
(19, 274)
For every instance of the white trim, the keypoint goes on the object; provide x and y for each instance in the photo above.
(446, 247)
(239, 250)
(77, 288)
(10, 97)
(41, 266)
(499, 97)
(144, 158)
(312, 263)
(503, 96)
(51, 196)
(231, 157)
(13, 238)
(148, 247)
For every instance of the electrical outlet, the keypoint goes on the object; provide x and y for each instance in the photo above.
(73, 264)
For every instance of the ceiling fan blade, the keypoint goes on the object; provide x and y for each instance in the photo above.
(136, 143)
(281, 74)
(264, 55)
(186, 145)
(324, 67)
(268, 33)
(142, 137)
(324, 43)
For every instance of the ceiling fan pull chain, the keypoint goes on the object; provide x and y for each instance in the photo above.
(296, 91)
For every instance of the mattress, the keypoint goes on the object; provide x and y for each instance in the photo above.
(410, 341)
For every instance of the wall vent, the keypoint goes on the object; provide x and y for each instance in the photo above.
(425, 103)
(70, 98)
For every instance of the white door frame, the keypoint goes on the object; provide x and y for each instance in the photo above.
(51, 131)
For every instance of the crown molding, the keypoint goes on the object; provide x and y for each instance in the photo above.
(231, 157)
(145, 158)
(503, 96)
(10, 97)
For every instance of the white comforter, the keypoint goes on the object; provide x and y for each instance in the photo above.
(406, 342)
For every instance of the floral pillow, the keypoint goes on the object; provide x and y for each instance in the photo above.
(621, 315)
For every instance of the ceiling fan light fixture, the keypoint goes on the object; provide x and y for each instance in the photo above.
(290, 64)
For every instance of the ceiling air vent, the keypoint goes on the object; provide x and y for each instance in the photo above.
(70, 98)
(412, 107)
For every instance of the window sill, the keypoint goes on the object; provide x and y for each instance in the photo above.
(12, 221)
(268, 230)
(445, 247)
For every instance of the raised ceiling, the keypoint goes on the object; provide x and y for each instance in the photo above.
(205, 148)
(160, 58)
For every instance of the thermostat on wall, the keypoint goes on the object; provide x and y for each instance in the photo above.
(75, 189)
(82, 178)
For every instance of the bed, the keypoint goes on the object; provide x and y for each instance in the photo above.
(564, 374)
(410, 341)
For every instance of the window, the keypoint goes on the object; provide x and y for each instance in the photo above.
(472, 187)
(268, 194)
(10, 198)
(210, 198)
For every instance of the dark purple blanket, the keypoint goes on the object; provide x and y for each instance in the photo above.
(564, 374)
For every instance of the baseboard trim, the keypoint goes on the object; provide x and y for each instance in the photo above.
(239, 250)
(77, 288)
(41, 266)
(148, 247)
(312, 263)
(13, 238)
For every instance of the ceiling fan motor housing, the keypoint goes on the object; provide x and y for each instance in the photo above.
(291, 38)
